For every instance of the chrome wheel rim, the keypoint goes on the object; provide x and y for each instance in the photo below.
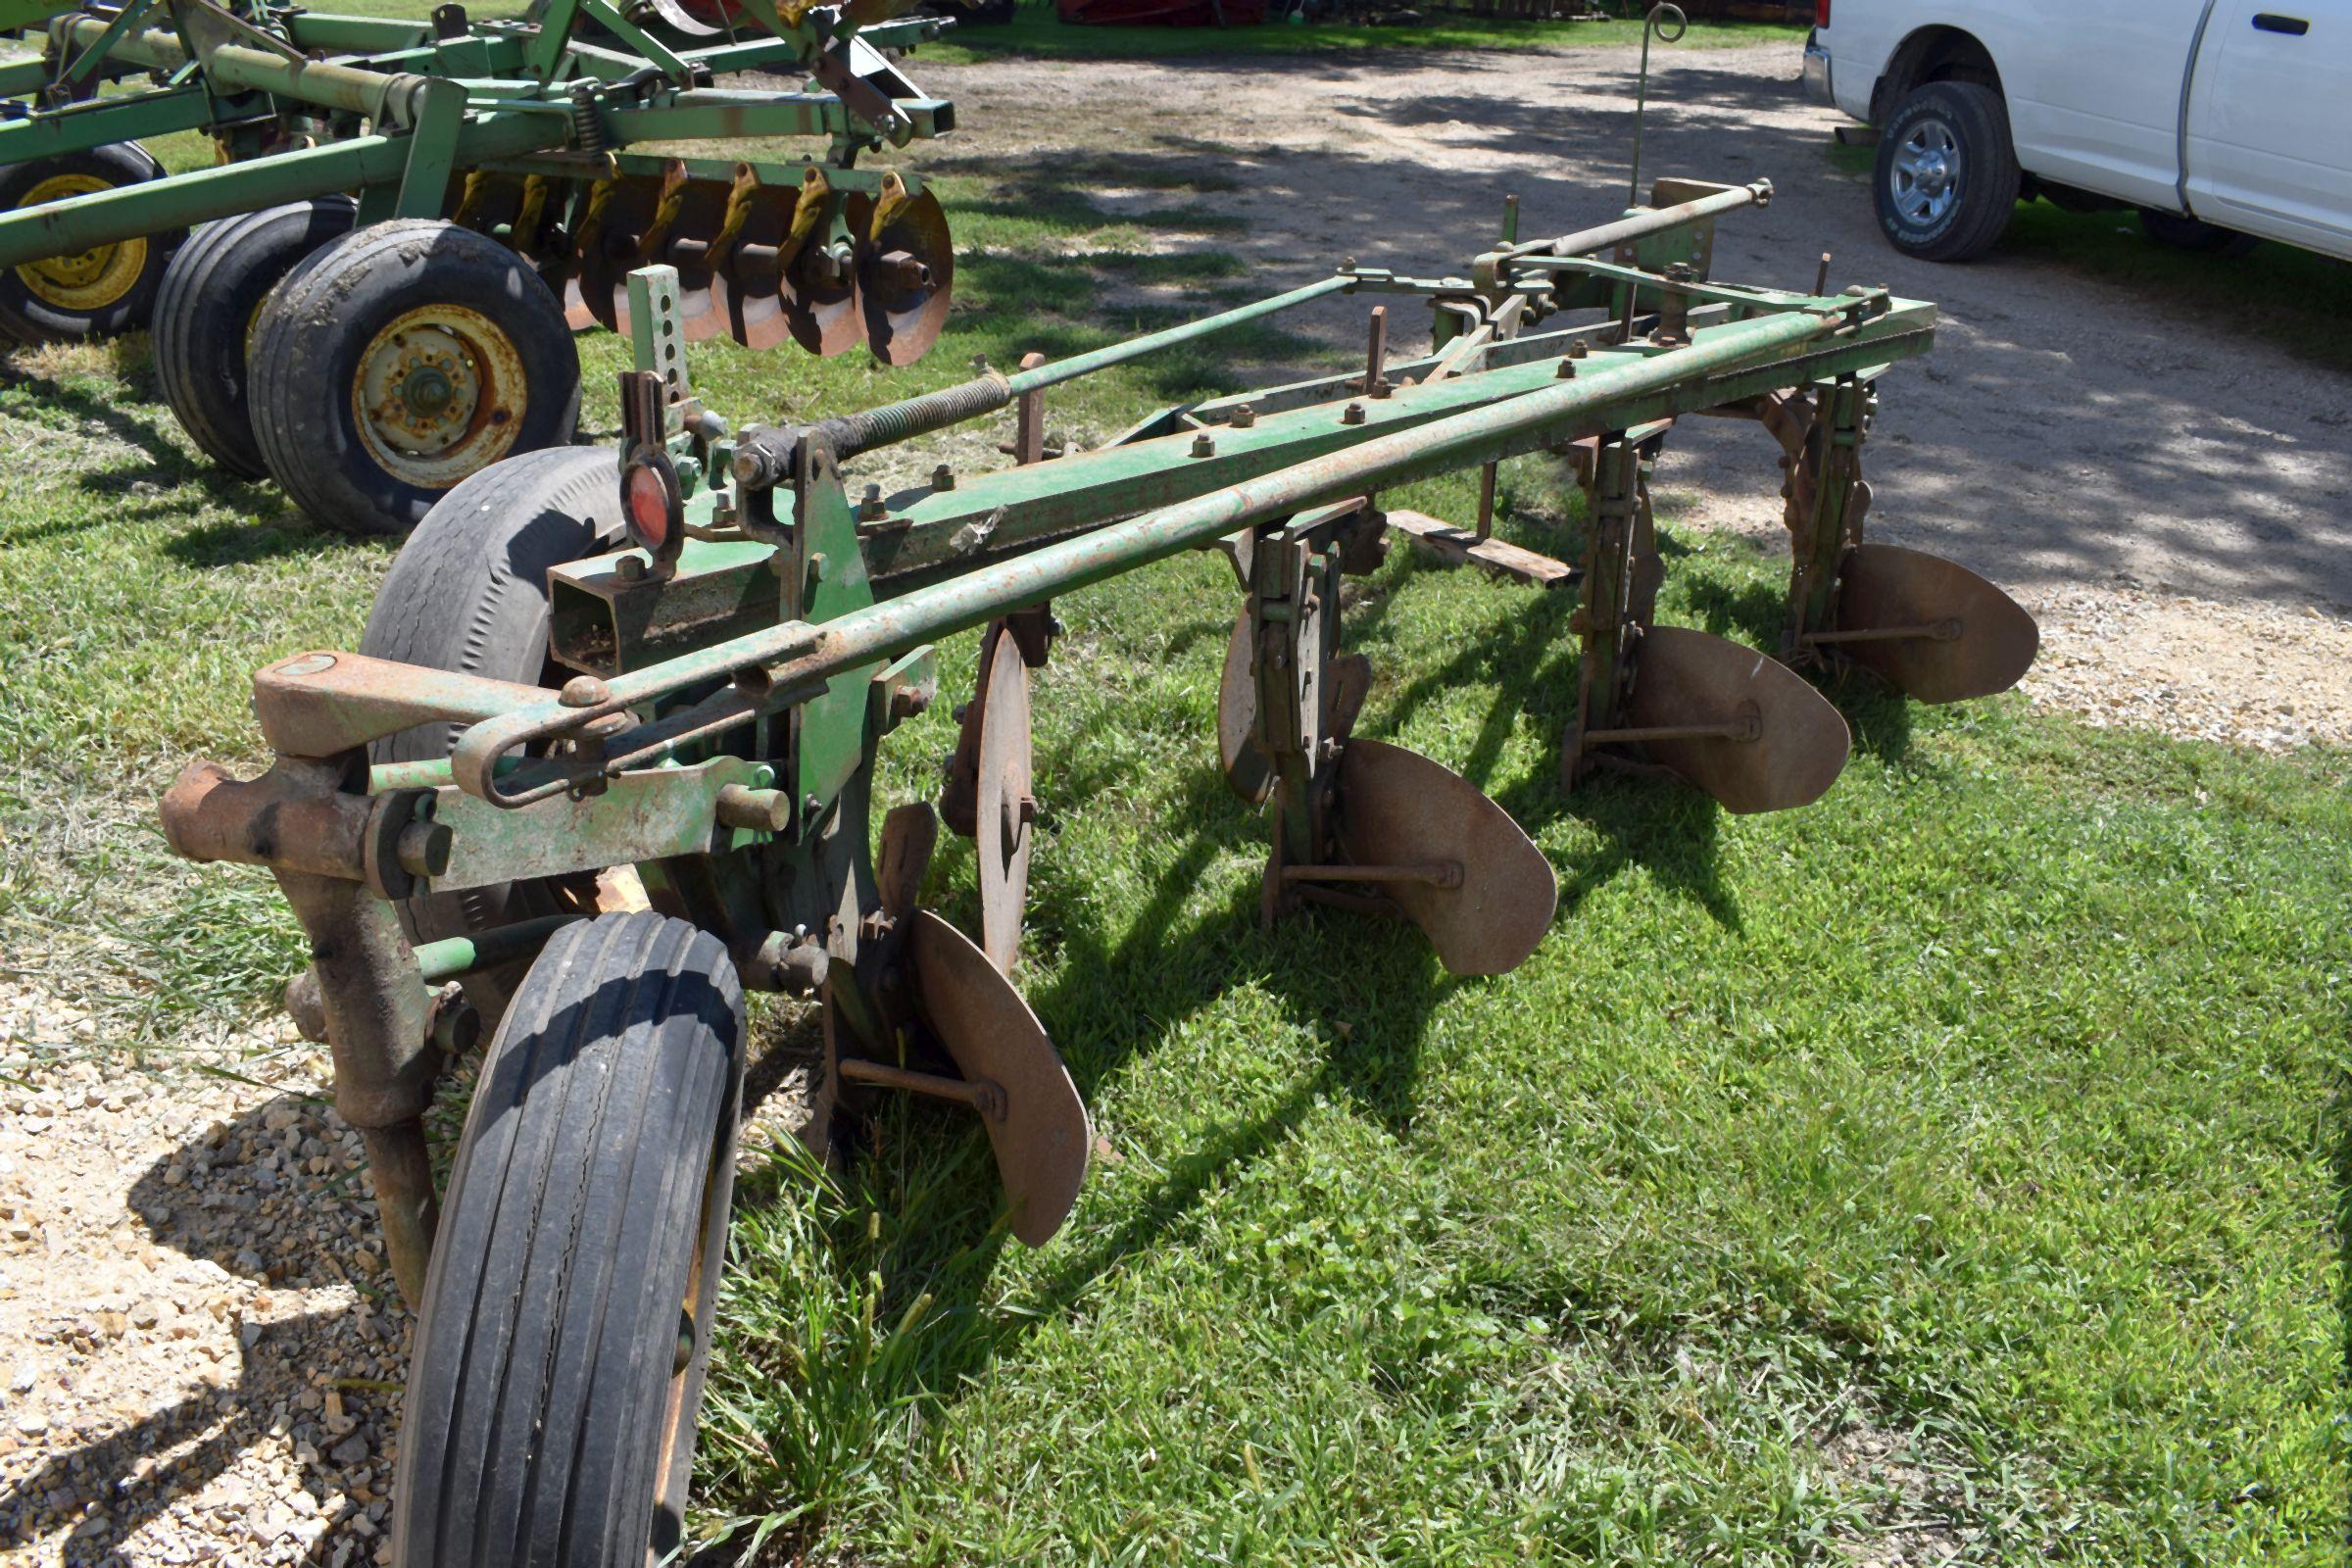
(1924, 179)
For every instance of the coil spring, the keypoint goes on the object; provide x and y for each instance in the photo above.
(587, 131)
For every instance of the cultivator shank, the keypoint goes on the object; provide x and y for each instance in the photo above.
(701, 744)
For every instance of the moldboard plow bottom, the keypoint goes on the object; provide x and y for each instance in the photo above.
(585, 820)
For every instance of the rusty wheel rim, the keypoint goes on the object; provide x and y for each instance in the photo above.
(87, 281)
(438, 394)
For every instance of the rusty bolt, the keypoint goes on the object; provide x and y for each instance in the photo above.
(1244, 417)
(584, 691)
(1205, 445)
(1578, 349)
(1567, 370)
(871, 509)
(632, 569)
(942, 477)
(875, 925)
(910, 697)
(1353, 413)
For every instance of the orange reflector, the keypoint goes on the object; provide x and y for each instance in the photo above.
(648, 498)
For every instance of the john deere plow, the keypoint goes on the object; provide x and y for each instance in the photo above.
(371, 296)
(605, 761)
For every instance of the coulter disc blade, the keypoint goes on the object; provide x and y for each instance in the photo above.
(702, 216)
(1004, 806)
(1041, 1142)
(1398, 807)
(905, 273)
(1976, 639)
(1248, 771)
(1687, 677)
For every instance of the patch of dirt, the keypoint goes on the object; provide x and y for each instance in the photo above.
(202, 1352)
(2134, 469)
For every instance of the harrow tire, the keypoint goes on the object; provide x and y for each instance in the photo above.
(208, 313)
(113, 288)
(398, 362)
(468, 593)
(549, 1421)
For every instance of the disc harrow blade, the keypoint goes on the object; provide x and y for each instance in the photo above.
(610, 244)
(1788, 744)
(905, 273)
(821, 305)
(1957, 635)
(1041, 1138)
(688, 244)
(747, 286)
(1490, 894)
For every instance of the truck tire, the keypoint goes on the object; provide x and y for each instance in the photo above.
(1947, 181)
(468, 593)
(567, 1319)
(2184, 232)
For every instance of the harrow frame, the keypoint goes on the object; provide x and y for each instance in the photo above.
(735, 669)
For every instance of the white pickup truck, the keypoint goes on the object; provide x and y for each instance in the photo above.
(2222, 121)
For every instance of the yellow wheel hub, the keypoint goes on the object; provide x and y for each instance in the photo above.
(438, 394)
(89, 280)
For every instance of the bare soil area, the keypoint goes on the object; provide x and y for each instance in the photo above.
(2098, 454)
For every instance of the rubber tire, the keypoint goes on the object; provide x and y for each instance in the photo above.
(313, 330)
(27, 319)
(468, 593)
(602, 1131)
(2194, 234)
(206, 312)
(1989, 177)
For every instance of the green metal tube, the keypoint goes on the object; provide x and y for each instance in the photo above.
(762, 456)
(797, 656)
(100, 121)
(81, 222)
(378, 94)
(1087, 363)
(455, 956)
(1639, 225)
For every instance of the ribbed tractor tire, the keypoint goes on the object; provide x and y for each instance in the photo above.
(1986, 188)
(468, 593)
(549, 1421)
(208, 311)
(108, 290)
(400, 361)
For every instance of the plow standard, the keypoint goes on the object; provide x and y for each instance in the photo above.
(606, 760)
(409, 219)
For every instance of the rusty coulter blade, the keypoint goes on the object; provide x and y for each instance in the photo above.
(1483, 895)
(1929, 627)
(1004, 806)
(1037, 1125)
(1781, 743)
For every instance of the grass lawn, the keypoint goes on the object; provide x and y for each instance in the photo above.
(1960, 1164)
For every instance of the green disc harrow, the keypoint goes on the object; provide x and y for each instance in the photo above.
(369, 296)
(580, 809)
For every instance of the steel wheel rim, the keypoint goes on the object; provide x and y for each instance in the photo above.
(438, 394)
(87, 280)
(1924, 180)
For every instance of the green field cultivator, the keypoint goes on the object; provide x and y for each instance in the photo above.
(407, 219)
(605, 761)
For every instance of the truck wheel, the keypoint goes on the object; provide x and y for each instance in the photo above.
(93, 293)
(468, 593)
(209, 309)
(400, 359)
(567, 1313)
(2182, 232)
(1947, 181)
